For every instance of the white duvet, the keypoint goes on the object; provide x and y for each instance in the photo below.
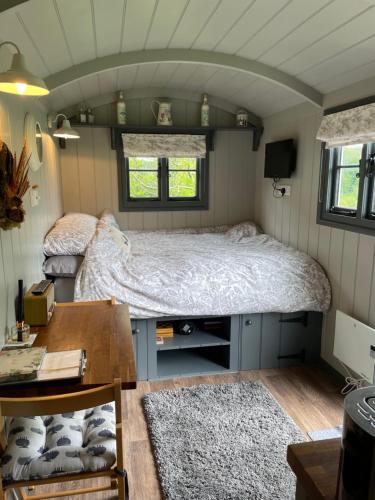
(179, 273)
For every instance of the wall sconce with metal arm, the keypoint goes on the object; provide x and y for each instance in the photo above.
(63, 130)
(18, 79)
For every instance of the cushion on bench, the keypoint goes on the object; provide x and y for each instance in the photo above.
(69, 443)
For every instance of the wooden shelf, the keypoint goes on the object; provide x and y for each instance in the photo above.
(197, 339)
(161, 128)
(117, 130)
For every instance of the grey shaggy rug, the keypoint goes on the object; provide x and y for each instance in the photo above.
(224, 442)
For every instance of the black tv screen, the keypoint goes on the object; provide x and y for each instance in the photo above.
(280, 159)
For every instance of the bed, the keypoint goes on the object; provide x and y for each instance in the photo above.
(265, 299)
(212, 271)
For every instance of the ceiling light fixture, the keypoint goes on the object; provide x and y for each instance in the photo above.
(18, 79)
(65, 131)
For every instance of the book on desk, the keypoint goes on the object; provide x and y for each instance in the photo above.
(35, 364)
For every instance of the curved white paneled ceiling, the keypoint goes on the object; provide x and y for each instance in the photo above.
(266, 55)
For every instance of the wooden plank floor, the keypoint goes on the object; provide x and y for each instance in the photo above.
(309, 394)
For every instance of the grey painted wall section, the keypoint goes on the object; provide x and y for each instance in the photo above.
(89, 172)
(21, 254)
(347, 257)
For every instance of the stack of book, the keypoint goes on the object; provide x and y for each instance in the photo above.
(21, 364)
(36, 364)
(163, 331)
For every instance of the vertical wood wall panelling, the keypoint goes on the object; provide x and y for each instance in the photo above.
(315, 167)
(101, 151)
(334, 274)
(221, 177)
(86, 171)
(347, 257)
(89, 172)
(208, 216)
(371, 308)
(363, 281)
(235, 181)
(348, 272)
(21, 254)
(303, 206)
(304, 149)
(70, 178)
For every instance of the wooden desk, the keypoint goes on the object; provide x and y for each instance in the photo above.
(316, 466)
(103, 330)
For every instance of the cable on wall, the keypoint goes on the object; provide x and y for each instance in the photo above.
(352, 382)
(277, 192)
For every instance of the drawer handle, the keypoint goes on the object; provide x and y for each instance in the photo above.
(135, 331)
(248, 322)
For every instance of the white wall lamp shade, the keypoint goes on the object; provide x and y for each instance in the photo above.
(65, 131)
(18, 79)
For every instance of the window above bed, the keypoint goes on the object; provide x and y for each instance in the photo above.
(163, 172)
(347, 190)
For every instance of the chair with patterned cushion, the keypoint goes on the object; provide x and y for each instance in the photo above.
(78, 437)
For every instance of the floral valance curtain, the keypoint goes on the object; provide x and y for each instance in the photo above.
(165, 145)
(352, 126)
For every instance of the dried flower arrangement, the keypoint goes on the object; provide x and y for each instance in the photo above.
(13, 186)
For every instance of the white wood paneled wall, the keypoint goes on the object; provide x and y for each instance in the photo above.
(89, 179)
(21, 254)
(347, 257)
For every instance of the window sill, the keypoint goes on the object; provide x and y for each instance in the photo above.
(346, 223)
(171, 206)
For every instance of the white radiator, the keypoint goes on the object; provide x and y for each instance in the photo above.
(355, 346)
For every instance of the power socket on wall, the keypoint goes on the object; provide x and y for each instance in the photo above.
(34, 196)
(287, 190)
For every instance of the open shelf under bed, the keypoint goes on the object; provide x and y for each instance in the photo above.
(174, 363)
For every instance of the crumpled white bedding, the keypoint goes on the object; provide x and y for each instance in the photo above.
(179, 273)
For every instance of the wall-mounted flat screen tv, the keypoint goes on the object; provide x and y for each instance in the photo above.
(280, 160)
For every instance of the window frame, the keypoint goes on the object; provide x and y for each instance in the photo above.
(199, 168)
(336, 169)
(163, 203)
(362, 221)
(127, 184)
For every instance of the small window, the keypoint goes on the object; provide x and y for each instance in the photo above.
(144, 179)
(347, 191)
(182, 178)
(346, 178)
(163, 184)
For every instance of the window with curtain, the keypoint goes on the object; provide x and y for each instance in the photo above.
(346, 192)
(164, 172)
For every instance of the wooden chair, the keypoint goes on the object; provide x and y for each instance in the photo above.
(53, 405)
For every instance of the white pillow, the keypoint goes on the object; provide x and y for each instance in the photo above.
(243, 230)
(70, 235)
(108, 218)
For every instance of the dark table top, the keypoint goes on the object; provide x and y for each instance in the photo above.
(316, 465)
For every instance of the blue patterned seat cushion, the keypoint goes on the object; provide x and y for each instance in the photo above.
(40, 447)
